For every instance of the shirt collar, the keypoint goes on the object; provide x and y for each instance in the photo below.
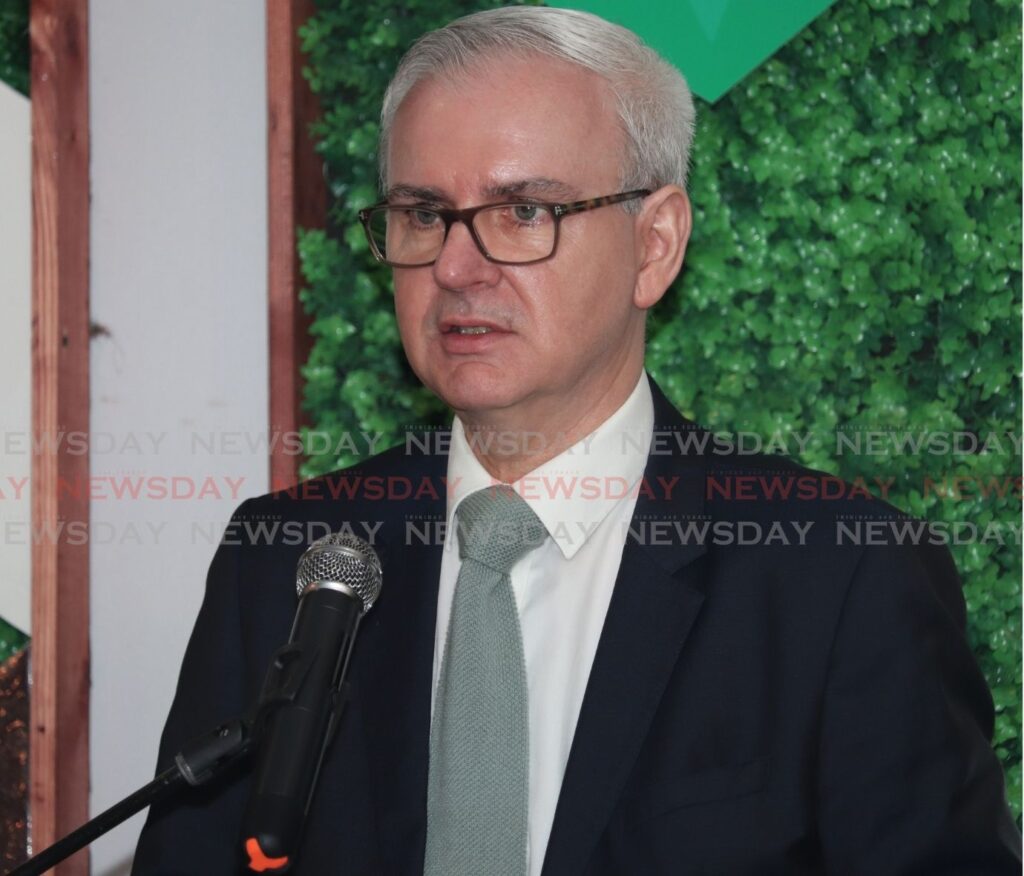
(576, 490)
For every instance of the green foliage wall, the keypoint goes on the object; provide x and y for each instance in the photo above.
(14, 44)
(12, 640)
(855, 265)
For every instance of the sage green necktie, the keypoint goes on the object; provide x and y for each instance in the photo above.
(477, 792)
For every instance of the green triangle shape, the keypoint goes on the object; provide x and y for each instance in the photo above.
(714, 42)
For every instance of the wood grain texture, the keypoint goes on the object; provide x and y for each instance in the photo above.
(59, 734)
(297, 198)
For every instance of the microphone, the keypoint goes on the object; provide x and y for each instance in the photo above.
(338, 580)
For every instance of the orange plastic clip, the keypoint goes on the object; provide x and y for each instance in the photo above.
(258, 861)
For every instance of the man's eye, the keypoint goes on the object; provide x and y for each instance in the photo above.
(528, 212)
(423, 218)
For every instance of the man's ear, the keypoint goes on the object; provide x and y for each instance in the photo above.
(662, 232)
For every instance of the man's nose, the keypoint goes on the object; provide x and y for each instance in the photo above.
(461, 264)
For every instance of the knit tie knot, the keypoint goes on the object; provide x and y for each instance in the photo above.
(497, 528)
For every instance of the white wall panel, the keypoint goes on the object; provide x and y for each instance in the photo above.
(178, 126)
(15, 356)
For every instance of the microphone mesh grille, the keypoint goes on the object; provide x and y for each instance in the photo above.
(341, 558)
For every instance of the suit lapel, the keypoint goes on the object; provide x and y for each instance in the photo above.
(396, 672)
(653, 608)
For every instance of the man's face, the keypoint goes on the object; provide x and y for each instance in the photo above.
(563, 344)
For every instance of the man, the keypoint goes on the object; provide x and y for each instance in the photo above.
(628, 699)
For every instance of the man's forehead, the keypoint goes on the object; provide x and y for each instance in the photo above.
(544, 187)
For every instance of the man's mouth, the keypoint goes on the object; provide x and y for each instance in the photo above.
(468, 330)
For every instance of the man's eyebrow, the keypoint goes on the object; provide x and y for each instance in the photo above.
(538, 185)
(418, 193)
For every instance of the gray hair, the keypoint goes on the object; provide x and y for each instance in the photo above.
(654, 102)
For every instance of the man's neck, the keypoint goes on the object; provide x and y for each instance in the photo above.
(507, 455)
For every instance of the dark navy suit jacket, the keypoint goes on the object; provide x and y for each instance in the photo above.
(752, 708)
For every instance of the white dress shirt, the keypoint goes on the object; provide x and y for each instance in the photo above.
(585, 498)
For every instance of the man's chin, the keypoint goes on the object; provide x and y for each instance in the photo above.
(475, 390)
(477, 405)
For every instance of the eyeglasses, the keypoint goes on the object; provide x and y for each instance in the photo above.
(513, 233)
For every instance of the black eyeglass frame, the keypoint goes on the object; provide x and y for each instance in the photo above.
(451, 216)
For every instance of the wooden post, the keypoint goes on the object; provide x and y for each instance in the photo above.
(297, 198)
(59, 733)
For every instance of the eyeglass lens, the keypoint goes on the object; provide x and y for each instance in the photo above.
(508, 232)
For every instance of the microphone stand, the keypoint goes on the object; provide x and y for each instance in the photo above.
(197, 762)
(201, 759)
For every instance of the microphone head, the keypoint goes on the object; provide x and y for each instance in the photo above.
(341, 558)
